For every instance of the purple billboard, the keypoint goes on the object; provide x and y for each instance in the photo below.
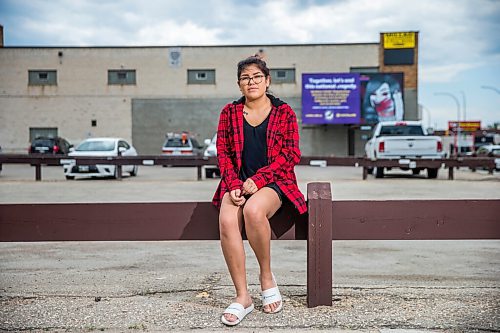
(330, 98)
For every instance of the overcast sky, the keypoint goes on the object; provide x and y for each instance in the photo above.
(459, 39)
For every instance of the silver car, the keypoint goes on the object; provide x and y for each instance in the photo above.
(99, 147)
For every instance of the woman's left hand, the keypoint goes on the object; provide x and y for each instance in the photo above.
(249, 187)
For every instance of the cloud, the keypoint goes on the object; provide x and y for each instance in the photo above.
(172, 33)
(455, 35)
(443, 72)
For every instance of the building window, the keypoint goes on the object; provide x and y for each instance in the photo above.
(42, 78)
(201, 76)
(121, 76)
(283, 75)
(364, 69)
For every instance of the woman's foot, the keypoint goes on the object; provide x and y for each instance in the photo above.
(244, 300)
(267, 283)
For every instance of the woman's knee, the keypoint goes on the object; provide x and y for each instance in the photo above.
(253, 213)
(228, 224)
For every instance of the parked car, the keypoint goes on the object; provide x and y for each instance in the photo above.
(490, 151)
(49, 145)
(181, 145)
(211, 151)
(100, 147)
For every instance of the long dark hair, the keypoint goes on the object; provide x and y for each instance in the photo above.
(253, 60)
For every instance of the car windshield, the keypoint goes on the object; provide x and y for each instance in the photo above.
(176, 143)
(96, 146)
(401, 130)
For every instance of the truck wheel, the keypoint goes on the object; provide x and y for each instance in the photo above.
(209, 173)
(432, 173)
(379, 172)
(70, 177)
(416, 171)
(369, 171)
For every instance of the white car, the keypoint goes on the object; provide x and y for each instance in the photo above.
(211, 151)
(99, 147)
(490, 151)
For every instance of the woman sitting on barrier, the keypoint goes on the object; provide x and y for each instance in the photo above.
(257, 150)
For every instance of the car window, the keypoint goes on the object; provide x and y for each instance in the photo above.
(96, 146)
(176, 143)
(43, 142)
(123, 144)
(401, 130)
(482, 150)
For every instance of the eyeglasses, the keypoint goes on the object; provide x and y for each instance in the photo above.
(256, 79)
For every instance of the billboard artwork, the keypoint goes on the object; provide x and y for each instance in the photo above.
(330, 98)
(381, 97)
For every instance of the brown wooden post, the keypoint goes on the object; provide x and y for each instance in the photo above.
(319, 245)
(118, 167)
(38, 171)
(199, 172)
(450, 172)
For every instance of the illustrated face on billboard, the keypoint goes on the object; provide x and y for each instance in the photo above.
(382, 97)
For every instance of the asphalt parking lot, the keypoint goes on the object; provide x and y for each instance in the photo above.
(378, 286)
(156, 184)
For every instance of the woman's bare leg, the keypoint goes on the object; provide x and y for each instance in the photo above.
(230, 225)
(258, 209)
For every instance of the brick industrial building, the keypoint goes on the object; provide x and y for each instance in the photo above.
(142, 93)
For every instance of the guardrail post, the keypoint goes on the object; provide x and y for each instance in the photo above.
(38, 171)
(199, 167)
(118, 167)
(319, 245)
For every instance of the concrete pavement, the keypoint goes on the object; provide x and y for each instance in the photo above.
(379, 286)
(158, 286)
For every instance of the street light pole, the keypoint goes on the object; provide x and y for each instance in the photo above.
(458, 116)
(491, 88)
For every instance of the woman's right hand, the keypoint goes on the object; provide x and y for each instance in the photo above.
(236, 197)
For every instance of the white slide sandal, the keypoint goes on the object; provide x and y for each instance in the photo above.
(272, 295)
(237, 310)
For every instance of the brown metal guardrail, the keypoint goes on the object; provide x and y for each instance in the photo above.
(39, 160)
(326, 220)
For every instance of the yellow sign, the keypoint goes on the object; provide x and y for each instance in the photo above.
(399, 40)
(466, 126)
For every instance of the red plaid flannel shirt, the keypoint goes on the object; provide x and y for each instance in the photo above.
(282, 151)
